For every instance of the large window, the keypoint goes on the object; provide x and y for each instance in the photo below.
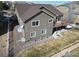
(35, 23)
(33, 34)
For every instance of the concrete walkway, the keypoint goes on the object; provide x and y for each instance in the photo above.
(62, 53)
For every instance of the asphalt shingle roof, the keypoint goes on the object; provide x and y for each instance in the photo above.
(27, 11)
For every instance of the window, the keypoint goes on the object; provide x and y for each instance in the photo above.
(43, 31)
(50, 20)
(35, 23)
(33, 34)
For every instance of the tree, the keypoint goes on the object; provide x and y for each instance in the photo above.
(3, 6)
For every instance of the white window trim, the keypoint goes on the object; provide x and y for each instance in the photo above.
(50, 19)
(35, 21)
(34, 35)
(45, 31)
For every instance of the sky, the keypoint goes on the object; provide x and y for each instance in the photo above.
(50, 2)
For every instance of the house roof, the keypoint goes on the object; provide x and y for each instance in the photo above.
(75, 2)
(26, 11)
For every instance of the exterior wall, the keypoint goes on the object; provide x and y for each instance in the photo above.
(43, 25)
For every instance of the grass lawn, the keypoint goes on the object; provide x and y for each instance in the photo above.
(53, 46)
(75, 52)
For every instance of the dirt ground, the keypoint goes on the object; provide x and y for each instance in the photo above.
(3, 45)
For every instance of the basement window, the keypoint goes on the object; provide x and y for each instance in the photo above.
(33, 34)
(35, 23)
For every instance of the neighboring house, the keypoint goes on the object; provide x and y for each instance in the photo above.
(70, 11)
(36, 20)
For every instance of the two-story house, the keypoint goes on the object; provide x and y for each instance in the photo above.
(36, 20)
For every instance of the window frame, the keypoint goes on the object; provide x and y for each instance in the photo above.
(34, 34)
(35, 23)
(45, 31)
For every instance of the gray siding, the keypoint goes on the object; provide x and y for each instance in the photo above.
(43, 25)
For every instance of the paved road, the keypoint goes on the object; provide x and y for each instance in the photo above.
(62, 53)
